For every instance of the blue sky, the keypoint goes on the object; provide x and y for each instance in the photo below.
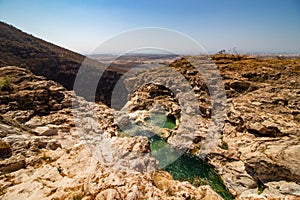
(247, 25)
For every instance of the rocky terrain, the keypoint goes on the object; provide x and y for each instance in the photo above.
(261, 132)
(47, 153)
(257, 152)
(43, 155)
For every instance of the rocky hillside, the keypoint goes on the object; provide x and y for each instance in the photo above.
(53, 62)
(45, 59)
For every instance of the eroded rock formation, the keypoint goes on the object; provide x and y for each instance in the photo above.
(48, 141)
(45, 152)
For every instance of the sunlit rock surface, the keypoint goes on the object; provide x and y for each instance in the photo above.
(47, 154)
(48, 146)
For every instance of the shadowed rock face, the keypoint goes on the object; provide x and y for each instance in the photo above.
(29, 92)
(55, 63)
(42, 58)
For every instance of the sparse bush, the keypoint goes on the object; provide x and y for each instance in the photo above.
(222, 51)
(224, 145)
(260, 187)
(4, 84)
(68, 151)
(78, 196)
(197, 181)
(45, 157)
(2, 191)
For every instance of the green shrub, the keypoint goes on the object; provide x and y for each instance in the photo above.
(78, 196)
(45, 157)
(224, 145)
(4, 84)
(260, 187)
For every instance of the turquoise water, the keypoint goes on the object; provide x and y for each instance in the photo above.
(193, 169)
(187, 167)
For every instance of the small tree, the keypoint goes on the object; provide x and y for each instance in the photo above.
(222, 51)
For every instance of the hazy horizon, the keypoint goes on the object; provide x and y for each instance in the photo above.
(243, 26)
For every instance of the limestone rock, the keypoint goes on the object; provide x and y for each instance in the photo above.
(12, 164)
(258, 147)
(109, 194)
(47, 130)
(30, 92)
(21, 116)
(2, 133)
(53, 145)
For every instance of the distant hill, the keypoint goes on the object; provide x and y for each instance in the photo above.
(55, 63)
(41, 57)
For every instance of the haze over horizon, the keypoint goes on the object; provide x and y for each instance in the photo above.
(249, 26)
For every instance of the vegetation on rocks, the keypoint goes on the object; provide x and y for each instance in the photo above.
(4, 84)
